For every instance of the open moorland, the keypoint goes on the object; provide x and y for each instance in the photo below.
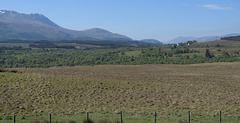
(128, 88)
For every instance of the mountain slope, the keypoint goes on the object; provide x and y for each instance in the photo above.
(180, 39)
(104, 34)
(231, 38)
(153, 41)
(14, 25)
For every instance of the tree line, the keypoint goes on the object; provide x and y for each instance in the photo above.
(26, 57)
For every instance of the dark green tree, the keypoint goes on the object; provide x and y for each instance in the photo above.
(208, 54)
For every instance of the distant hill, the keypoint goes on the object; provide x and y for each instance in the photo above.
(226, 42)
(14, 25)
(153, 41)
(232, 38)
(180, 39)
(200, 39)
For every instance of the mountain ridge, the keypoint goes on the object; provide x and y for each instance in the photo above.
(153, 41)
(14, 25)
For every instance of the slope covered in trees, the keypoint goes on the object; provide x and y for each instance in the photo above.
(233, 38)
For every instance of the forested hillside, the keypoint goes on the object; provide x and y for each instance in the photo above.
(233, 38)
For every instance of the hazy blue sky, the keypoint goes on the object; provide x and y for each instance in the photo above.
(139, 19)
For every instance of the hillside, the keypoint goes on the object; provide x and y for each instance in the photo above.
(230, 44)
(153, 41)
(232, 38)
(14, 25)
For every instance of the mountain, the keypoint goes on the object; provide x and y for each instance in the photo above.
(230, 35)
(200, 39)
(180, 39)
(208, 38)
(103, 34)
(153, 41)
(14, 25)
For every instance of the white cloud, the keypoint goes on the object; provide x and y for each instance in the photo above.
(216, 7)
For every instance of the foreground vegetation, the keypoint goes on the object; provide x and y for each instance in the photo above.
(139, 89)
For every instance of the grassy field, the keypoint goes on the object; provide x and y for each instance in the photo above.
(137, 90)
(162, 117)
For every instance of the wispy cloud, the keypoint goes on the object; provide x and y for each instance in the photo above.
(216, 7)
